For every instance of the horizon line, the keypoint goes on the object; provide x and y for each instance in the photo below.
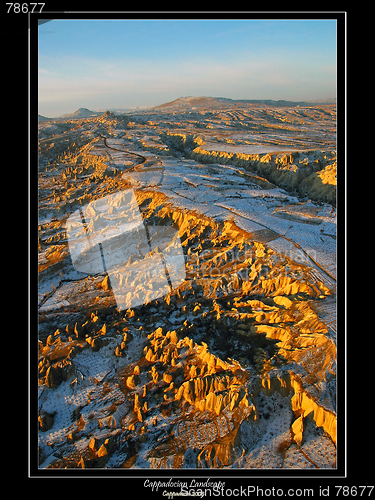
(144, 108)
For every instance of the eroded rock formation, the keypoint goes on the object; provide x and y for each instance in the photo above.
(234, 367)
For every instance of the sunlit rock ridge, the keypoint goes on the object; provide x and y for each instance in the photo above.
(233, 366)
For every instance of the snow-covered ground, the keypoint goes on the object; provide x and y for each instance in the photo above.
(128, 388)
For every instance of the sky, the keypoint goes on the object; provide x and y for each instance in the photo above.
(122, 64)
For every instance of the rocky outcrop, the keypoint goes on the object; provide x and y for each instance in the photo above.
(301, 172)
(211, 387)
(321, 185)
(46, 420)
(58, 351)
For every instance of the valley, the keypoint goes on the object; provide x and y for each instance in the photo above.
(187, 287)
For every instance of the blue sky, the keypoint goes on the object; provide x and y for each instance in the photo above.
(104, 64)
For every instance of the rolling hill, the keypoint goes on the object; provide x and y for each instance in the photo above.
(218, 102)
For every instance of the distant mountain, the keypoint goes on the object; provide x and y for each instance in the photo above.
(82, 113)
(42, 118)
(215, 102)
(288, 104)
(330, 100)
(196, 102)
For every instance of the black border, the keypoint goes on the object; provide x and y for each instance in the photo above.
(258, 477)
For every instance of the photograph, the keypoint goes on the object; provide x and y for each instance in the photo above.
(186, 206)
